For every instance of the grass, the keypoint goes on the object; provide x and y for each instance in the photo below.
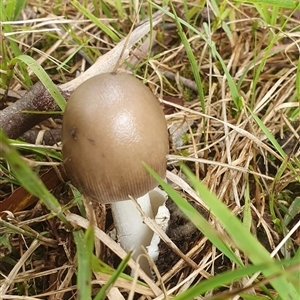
(238, 160)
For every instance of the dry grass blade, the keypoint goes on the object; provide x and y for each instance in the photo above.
(108, 62)
(104, 238)
(12, 275)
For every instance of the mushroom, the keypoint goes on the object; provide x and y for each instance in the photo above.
(112, 124)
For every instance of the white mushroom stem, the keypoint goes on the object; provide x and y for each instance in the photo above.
(132, 232)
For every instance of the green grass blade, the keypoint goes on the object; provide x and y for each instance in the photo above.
(296, 260)
(8, 12)
(292, 4)
(237, 99)
(192, 60)
(12, 9)
(247, 216)
(37, 149)
(27, 178)
(244, 240)
(268, 134)
(294, 209)
(103, 291)
(84, 246)
(102, 267)
(95, 20)
(295, 113)
(221, 280)
(43, 77)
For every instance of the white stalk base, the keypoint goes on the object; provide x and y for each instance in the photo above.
(132, 232)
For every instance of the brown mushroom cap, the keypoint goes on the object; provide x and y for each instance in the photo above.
(113, 123)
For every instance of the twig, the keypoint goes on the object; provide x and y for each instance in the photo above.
(190, 84)
(12, 119)
(42, 137)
